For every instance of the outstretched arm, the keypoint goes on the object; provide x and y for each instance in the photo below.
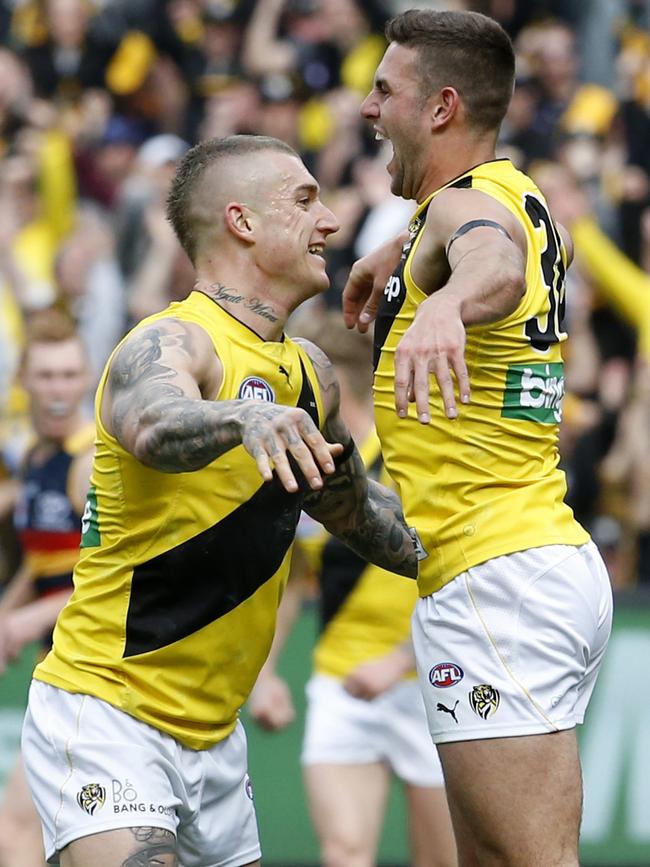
(159, 405)
(362, 513)
(472, 263)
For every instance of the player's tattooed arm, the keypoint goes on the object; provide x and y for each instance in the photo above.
(365, 515)
(154, 847)
(362, 513)
(160, 407)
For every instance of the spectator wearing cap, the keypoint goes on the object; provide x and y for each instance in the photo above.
(279, 112)
(103, 165)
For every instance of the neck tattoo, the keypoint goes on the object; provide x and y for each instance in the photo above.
(219, 292)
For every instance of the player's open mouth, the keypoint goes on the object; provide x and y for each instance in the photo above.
(59, 409)
(316, 249)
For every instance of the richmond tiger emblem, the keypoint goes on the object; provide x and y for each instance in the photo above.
(91, 797)
(484, 700)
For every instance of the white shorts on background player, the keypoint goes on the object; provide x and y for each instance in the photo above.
(92, 768)
(513, 646)
(392, 728)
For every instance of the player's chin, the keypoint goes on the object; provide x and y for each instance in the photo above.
(321, 281)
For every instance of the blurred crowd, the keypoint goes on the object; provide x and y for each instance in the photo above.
(98, 101)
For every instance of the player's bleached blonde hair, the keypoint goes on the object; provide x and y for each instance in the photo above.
(184, 209)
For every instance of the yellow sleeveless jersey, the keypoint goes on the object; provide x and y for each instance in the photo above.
(365, 611)
(488, 482)
(181, 574)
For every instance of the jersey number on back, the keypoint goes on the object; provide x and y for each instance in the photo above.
(543, 333)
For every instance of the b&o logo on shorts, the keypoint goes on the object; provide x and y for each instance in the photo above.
(91, 798)
(484, 700)
(445, 674)
(255, 388)
(249, 787)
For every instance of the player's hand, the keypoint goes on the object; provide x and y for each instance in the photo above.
(434, 343)
(366, 282)
(272, 433)
(371, 679)
(270, 704)
(20, 628)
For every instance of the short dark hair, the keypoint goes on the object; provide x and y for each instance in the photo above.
(181, 212)
(466, 50)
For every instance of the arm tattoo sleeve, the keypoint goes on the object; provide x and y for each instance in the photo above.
(362, 513)
(164, 428)
(366, 516)
(154, 847)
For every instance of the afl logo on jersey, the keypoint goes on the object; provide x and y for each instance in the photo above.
(254, 388)
(445, 674)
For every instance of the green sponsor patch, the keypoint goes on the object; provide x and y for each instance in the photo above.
(90, 535)
(534, 392)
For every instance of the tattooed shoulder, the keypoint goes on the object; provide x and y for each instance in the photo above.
(325, 373)
(143, 348)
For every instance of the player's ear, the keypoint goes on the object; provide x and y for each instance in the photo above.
(444, 107)
(238, 221)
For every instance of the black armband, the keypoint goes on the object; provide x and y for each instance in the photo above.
(474, 224)
(346, 454)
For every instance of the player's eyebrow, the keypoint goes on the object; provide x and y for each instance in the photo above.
(308, 187)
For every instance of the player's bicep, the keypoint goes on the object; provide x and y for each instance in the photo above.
(325, 374)
(153, 366)
(470, 218)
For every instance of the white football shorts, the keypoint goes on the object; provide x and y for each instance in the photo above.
(392, 728)
(513, 646)
(92, 768)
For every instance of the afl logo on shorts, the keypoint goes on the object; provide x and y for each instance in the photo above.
(445, 674)
(91, 797)
(254, 388)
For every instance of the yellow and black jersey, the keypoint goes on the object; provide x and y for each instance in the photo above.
(181, 574)
(365, 611)
(486, 483)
